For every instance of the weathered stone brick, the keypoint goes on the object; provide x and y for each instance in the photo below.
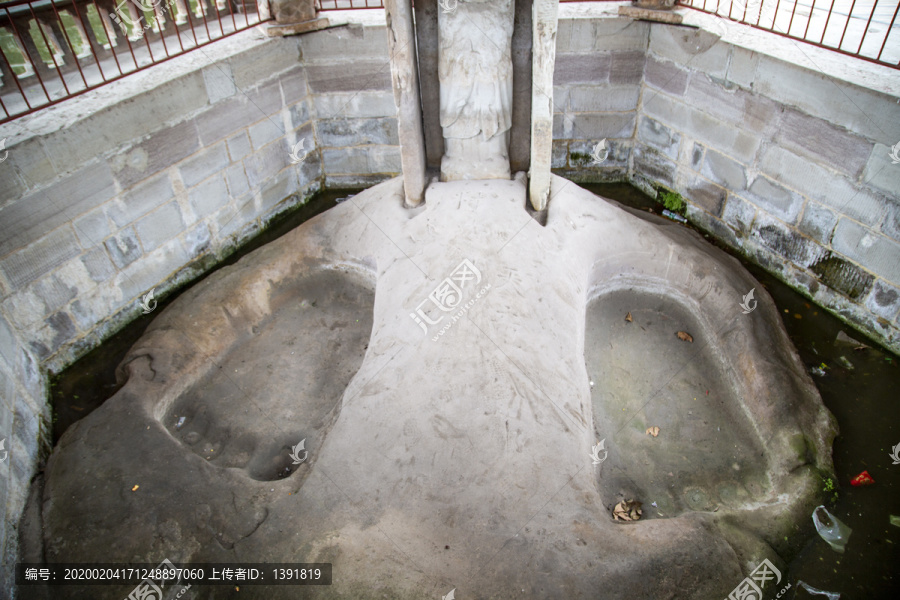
(197, 240)
(581, 68)
(884, 300)
(26, 265)
(299, 114)
(266, 162)
(697, 47)
(651, 163)
(842, 275)
(345, 161)
(159, 226)
(294, 86)
(655, 134)
(351, 104)
(690, 121)
(724, 171)
(239, 146)
(879, 254)
(593, 126)
(881, 171)
(123, 247)
(618, 34)
(776, 199)
(826, 143)
(35, 215)
(818, 222)
(665, 76)
(209, 196)
(891, 224)
(219, 82)
(738, 107)
(141, 199)
(707, 195)
(597, 98)
(203, 164)
(742, 69)
(92, 228)
(823, 186)
(359, 75)
(266, 131)
(161, 150)
(98, 264)
(237, 181)
(787, 242)
(739, 215)
(626, 67)
(357, 132)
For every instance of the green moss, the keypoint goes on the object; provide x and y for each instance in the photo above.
(671, 200)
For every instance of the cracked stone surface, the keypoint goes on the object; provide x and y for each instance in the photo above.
(452, 449)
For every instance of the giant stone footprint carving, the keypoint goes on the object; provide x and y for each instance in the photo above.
(460, 460)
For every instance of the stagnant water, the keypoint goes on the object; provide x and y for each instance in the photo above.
(860, 397)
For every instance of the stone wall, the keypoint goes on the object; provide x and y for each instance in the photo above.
(786, 164)
(783, 163)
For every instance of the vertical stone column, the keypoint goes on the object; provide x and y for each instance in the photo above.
(404, 76)
(543, 58)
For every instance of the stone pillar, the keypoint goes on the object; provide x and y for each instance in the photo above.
(404, 76)
(543, 58)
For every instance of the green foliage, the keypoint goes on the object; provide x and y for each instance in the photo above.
(672, 200)
(829, 487)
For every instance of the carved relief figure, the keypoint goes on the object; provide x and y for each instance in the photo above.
(476, 79)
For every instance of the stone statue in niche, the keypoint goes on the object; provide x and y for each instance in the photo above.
(476, 85)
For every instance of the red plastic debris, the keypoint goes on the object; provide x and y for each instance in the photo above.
(862, 479)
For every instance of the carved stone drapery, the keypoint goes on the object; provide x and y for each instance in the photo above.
(476, 88)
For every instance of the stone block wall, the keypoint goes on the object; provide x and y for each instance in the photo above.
(597, 85)
(786, 165)
(349, 74)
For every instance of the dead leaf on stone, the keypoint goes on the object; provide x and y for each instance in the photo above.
(684, 336)
(627, 510)
(134, 489)
(628, 318)
(654, 431)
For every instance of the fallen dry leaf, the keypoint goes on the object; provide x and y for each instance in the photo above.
(628, 318)
(654, 431)
(135, 488)
(627, 510)
(684, 336)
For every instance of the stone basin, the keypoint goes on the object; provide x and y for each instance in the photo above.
(449, 417)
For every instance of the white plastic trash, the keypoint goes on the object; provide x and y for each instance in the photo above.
(830, 529)
(816, 591)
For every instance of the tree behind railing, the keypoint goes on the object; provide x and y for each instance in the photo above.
(50, 51)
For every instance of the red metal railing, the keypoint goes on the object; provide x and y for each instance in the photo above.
(51, 50)
(348, 4)
(865, 29)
